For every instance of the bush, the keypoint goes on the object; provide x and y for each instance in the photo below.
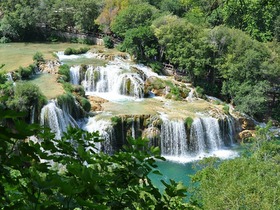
(25, 96)
(226, 109)
(156, 66)
(38, 58)
(68, 87)
(115, 120)
(200, 92)
(65, 71)
(79, 89)
(188, 122)
(72, 51)
(4, 40)
(85, 104)
(26, 72)
(108, 42)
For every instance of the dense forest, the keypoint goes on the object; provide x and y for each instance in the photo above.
(226, 48)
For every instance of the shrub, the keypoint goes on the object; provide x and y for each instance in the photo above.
(4, 40)
(68, 51)
(115, 120)
(65, 71)
(38, 58)
(68, 87)
(79, 89)
(72, 51)
(188, 122)
(85, 104)
(108, 42)
(200, 92)
(226, 109)
(26, 72)
(156, 66)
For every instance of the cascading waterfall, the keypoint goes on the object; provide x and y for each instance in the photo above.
(228, 127)
(197, 137)
(75, 75)
(173, 138)
(113, 79)
(105, 129)
(205, 135)
(56, 119)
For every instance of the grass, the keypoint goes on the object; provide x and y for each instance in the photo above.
(48, 85)
(14, 55)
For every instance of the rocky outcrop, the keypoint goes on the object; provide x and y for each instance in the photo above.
(96, 103)
(245, 135)
(50, 67)
(247, 124)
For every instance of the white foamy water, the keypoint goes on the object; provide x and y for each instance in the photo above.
(63, 57)
(221, 153)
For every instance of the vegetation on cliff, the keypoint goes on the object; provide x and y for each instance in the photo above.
(222, 46)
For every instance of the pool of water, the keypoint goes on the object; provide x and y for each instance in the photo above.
(180, 172)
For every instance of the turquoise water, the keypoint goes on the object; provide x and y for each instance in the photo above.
(172, 170)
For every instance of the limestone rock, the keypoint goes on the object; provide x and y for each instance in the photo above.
(50, 66)
(96, 103)
(247, 124)
(243, 136)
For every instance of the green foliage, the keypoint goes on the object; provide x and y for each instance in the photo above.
(38, 58)
(4, 40)
(26, 95)
(73, 175)
(141, 43)
(138, 16)
(26, 72)
(156, 66)
(188, 122)
(72, 51)
(108, 42)
(200, 92)
(115, 120)
(245, 182)
(64, 70)
(85, 104)
(226, 109)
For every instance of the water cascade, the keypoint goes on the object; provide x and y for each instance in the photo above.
(106, 131)
(56, 119)
(123, 118)
(173, 138)
(75, 75)
(114, 80)
(205, 135)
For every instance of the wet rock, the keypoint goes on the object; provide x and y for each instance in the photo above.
(50, 66)
(247, 124)
(245, 135)
(96, 103)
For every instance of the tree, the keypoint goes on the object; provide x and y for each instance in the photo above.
(141, 43)
(248, 182)
(133, 17)
(74, 175)
(26, 96)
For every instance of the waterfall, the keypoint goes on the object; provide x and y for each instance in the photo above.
(197, 137)
(190, 97)
(113, 79)
(105, 129)
(9, 77)
(56, 119)
(173, 138)
(32, 114)
(228, 127)
(205, 135)
(75, 75)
